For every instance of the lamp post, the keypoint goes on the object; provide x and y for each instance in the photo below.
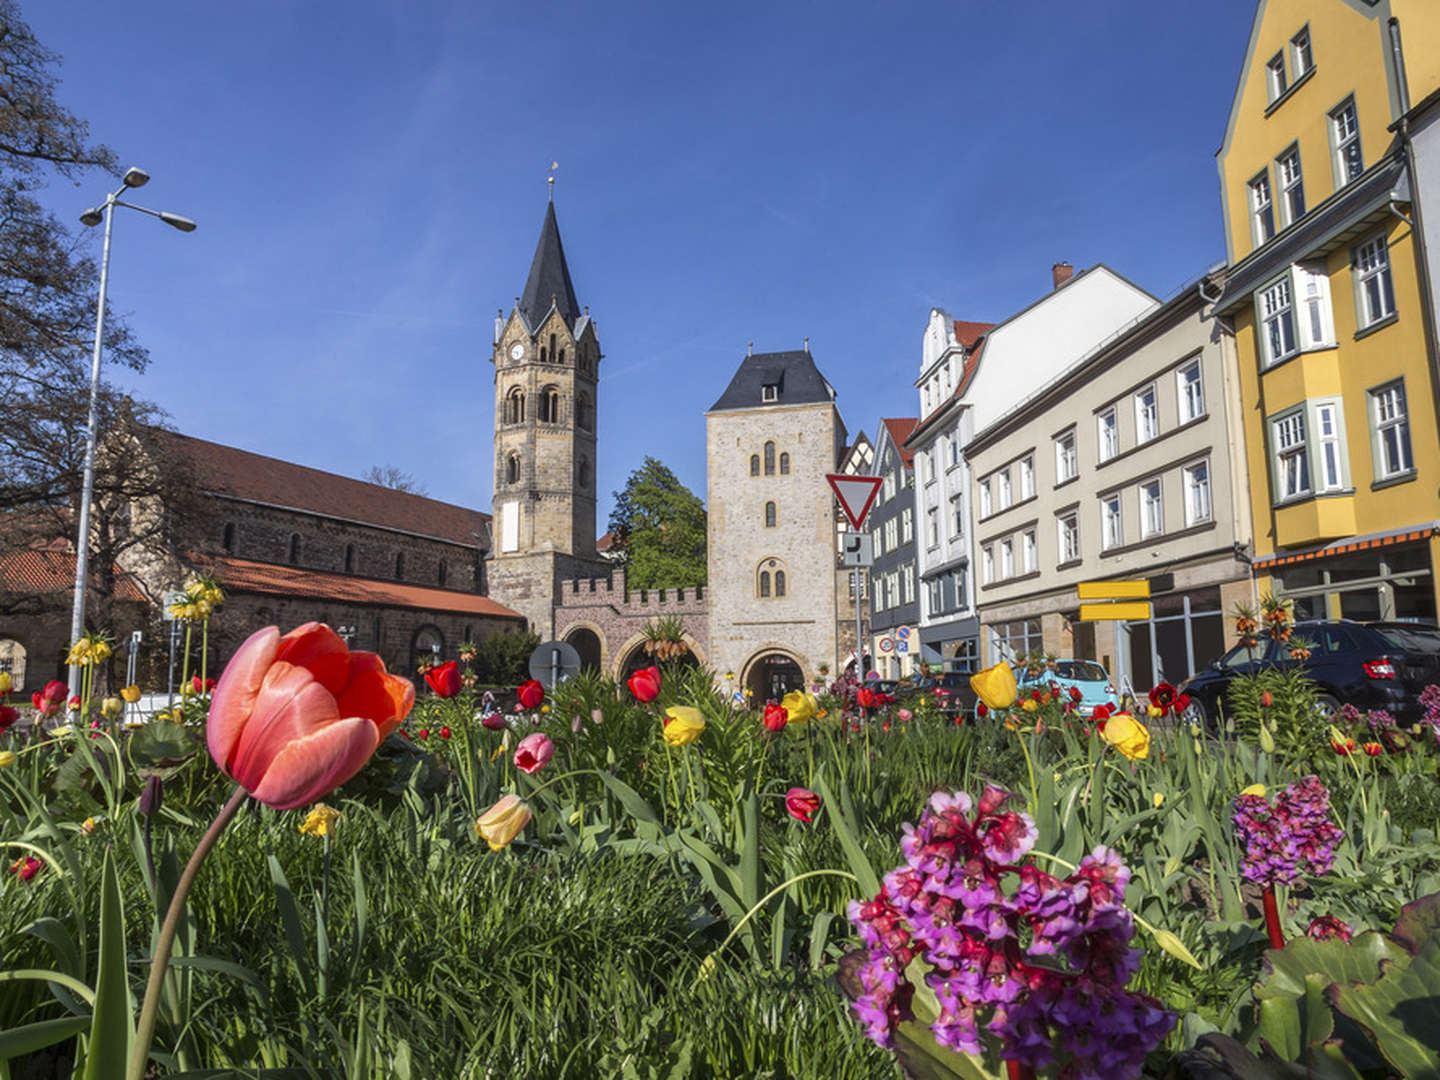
(134, 178)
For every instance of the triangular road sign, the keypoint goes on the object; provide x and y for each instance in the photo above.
(856, 494)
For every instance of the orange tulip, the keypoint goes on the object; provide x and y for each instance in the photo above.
(294, 717)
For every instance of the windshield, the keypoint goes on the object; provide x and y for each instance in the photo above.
(1412, 639)
(1080, 670)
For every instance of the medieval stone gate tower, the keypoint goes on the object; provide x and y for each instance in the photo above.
(547, 362)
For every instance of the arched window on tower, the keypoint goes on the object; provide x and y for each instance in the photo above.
(770, 579)
(769, 515)
(561, 358)
(442, 572)
(583, 472)
(784, 464)
(550, 405)
(512, 469)
(583, 420)
(228, 540)
(552, 348)
(294, 548)
(400, 566)
(754, 464)
(779, 583)
(769, 459)
(515, 406)
(764, 583)
(349, 558)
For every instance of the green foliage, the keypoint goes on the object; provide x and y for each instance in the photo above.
(660, 526)
(1292, 717)
(504, 659)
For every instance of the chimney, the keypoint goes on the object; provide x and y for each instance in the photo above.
(1062, 272)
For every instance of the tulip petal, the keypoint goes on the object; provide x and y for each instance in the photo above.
(235, 693)
(371, 692)
(315, 646)
(291, 705)
(314, 764)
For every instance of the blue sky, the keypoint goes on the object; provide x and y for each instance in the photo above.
(369, 179)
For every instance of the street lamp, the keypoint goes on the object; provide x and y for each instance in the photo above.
(134, 178)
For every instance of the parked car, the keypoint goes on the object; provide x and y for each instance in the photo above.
(1383, 666)
(951, 690)
(1086, 676)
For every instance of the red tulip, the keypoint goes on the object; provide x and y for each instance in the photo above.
(199, 686)
(26, 867)
(8, 716)
(865, 697)
(444, 732)
(1075, 694)
(531, 694)
(980, 709)
(1102, 712)
(75, 703)
(885, 727)
(645, 685)
(802, 804)
(775, 717)
(445, 679)
(534, 752)
(1373, 749)
(294, 717)
(493, 721)
(423, 733)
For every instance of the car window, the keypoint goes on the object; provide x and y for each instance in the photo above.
(1414, 639)
(1080, 671)
(1241, 655)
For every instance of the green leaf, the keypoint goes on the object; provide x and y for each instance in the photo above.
(849, 842)
(629, 798)
(1402, 1012)
(290, 921)
(111, 1029)
(749, 845)
(28, 1038)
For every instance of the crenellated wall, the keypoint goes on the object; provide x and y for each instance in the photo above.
(617, 614)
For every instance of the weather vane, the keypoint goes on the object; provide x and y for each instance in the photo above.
(550, 180)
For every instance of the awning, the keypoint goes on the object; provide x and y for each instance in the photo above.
(1407, 535)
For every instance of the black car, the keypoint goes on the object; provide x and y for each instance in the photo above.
(1368, 666)
(951, 690)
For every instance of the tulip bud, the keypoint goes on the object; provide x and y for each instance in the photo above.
(1267, 740)
(7, 758)
(111, 707)
(152, 798)
(499, 825)
(7, 683)
(1265, 699)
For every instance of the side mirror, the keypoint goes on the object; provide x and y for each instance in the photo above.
(1217, 665)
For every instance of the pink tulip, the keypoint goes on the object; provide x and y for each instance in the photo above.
(802, 804)
(294, 717)
(534, 752)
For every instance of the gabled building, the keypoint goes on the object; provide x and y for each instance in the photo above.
(894, 638)
(1331, 317)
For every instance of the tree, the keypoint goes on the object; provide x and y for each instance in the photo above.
(659, 527)
(392, 477)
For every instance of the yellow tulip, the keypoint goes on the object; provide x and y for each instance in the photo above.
(1127, 735)
(995, 686)
(799, 706)
(1029, 704)
(131, 694)
(88, 826)
(6, 682)
(320, 820)
(1159, 799)
(111, 707)
(1254, 789)
(686, 724)
(499, 825)
(1153, 711)
(7, 758)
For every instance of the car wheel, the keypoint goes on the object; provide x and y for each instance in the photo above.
(1196, 713)
(1326, 705)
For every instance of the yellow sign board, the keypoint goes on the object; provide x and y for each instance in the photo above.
(1113, 590)
(1123, 612)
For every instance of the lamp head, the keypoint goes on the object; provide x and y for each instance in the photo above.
(135, 177)
(184, 224)
(93, 216)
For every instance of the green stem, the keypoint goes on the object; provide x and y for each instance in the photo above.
(766, 899)
(204, 652)
(185, 664)
(160, 961)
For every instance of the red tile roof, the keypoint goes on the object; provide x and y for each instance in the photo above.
(967, 332)
(242, 575)
(900, 431)
(51, 569)
(226, 470)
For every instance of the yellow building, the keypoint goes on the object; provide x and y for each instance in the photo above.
(1327, 293)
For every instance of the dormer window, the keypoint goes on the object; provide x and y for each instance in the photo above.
(770, 392)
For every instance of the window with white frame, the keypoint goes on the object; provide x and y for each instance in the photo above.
(983, 493)
(907, 525)
(1067, 465)
(1284, 331)
(1302, 57)
(1390, 423)
(892, 534)
(987, 564)
(1345, 138)
(889, 490)
(957, 517)
(1027, 477)
(932, 527)
(1109, 430)
(922, 465)
(1277, 321)
(955, 451)
(1262, 209)
(877, 541)
(1007, 558)
(1152, 509)
(1292, 185)
(1112, 533)
(907, 577)
(1275, 81)
(1002, 489)
(1331, 447)
(1147, 414)
(1292, 455)
(1190, 392)
(1374, 287)
(892, 587)
(1196, 481)
(1029, 554)
(1067, 535)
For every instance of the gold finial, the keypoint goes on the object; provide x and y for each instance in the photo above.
(550, 180)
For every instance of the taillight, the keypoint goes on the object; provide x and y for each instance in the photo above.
(1379, 669)
(1109, 689)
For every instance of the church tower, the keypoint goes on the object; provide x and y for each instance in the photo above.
(547, 362)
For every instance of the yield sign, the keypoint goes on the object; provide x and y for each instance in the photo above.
(856, 494)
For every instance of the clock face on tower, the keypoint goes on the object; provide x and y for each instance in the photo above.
(517, 351)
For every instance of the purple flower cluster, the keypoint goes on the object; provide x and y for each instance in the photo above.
(1430, 702)
(1041, 966)
(1291, 837)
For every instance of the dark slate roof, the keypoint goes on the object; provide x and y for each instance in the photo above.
(549, 278)
(795, 373)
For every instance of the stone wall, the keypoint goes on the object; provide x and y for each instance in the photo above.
(616, 615)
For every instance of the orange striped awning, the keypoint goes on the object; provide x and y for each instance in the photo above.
(1345, 547)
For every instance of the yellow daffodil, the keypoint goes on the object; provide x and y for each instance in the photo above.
(1127, 735)
(1159, 799)
(320, 821)
(499, 825)
(729, 676)
(111, 707)
(685, 725)
(799, 706)
(1254, 789)
(6, 682)
(995, 686)
(130, 694)
(7, 758)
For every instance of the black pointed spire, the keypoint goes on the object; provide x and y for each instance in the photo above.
(549, 279)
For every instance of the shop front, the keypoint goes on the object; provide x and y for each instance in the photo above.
(953, 645)
(1388, 577)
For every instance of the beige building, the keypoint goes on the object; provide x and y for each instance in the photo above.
(774, 605)
(1128, 465)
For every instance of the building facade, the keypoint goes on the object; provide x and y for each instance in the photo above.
(1331, 319)
(1128, 465)
(894, 577)
(770, 440)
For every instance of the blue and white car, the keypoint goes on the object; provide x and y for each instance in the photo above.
(1086, 676)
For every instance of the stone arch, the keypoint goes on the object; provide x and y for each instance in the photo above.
(766, 663)
(14, 658)
(550, 404)
(629, 656)
(589, 642)
(424, 643)
(515, 406)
